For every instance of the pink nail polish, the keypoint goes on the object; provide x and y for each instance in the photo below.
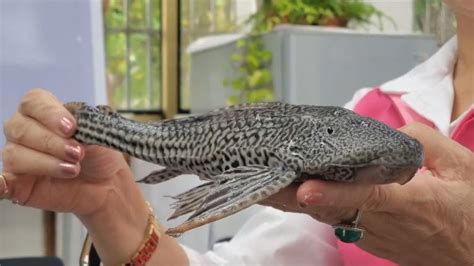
(66, 125)
(68, 169)
(313, 198)
(73, 153)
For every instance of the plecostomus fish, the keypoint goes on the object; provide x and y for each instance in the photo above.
(249, 152)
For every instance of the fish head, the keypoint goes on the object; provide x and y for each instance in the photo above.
(362, 150)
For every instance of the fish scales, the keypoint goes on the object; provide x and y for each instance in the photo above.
(249, 152)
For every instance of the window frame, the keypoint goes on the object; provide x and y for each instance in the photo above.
(150, 33)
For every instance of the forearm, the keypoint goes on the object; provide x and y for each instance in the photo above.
(118, 228)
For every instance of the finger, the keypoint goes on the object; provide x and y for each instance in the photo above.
(286, 200)
(41, 192)
(440, 152)
(29, 133)
(47, 110)
(18, 159)
(19, 193)
(340, 195)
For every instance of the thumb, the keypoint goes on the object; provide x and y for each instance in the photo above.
(441, 153)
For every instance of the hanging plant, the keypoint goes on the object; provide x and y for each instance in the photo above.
(254, 82)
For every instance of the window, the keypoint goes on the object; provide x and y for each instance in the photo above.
(146, 40)
(148, 68)
(133, 54)
(200, 18)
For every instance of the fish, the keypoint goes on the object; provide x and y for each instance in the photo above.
(246, 153)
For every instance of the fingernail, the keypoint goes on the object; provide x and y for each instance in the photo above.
(313, 198)
(66, 125)
(68, 169)
(73, 153)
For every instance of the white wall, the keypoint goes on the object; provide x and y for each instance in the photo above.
(401, 11)
(21, 231)
(57, 45)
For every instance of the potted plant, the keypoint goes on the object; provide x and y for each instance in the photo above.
(253, 82)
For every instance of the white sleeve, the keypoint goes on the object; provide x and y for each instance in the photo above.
(358, 95)
(273, 237)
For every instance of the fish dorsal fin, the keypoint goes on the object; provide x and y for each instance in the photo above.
(246, 106)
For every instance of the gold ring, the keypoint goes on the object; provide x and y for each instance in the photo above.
(4, 188)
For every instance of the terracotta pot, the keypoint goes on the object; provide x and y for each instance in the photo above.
(334, 22)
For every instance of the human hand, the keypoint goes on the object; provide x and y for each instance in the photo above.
(432, 214)
(46, 168)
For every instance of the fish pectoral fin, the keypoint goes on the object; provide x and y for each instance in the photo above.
(161, 175)
(234, 191)
(190, 200)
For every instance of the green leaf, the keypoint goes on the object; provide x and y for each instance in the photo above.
(233, 100)
(310, 19)
(266, 76)
(236, 58)
(227, 83)
(275, 20)
(238, 84)
(252, 60)
(255, 78)
(241, 43)
(266, 55)
(261, 95)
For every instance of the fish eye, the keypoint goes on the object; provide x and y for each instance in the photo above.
(330, 130)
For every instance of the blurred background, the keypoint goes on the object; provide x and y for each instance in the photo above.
(153, 59)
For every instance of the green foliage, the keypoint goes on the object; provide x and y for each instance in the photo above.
(420, 11)
(145, 89)
(254, 80)
(252, 60)
(199, 20)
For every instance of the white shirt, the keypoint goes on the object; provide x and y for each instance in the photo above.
(273, 237)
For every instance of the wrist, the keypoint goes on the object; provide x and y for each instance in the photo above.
(118, 226)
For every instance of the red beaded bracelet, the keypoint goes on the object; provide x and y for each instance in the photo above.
(141, 257)
(148, 247)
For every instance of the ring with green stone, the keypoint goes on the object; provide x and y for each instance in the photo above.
(349, 233)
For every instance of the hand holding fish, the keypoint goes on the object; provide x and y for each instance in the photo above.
(245, 154)
(424, 222)
(46, 168)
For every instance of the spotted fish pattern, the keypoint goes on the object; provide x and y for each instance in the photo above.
(248, 152)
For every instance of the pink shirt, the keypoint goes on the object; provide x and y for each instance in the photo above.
(389, 108)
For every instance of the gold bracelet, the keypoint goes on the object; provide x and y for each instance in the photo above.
(149, 244)
(143, 253)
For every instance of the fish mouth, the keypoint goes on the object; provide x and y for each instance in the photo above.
(383, 170)
(380, 174)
